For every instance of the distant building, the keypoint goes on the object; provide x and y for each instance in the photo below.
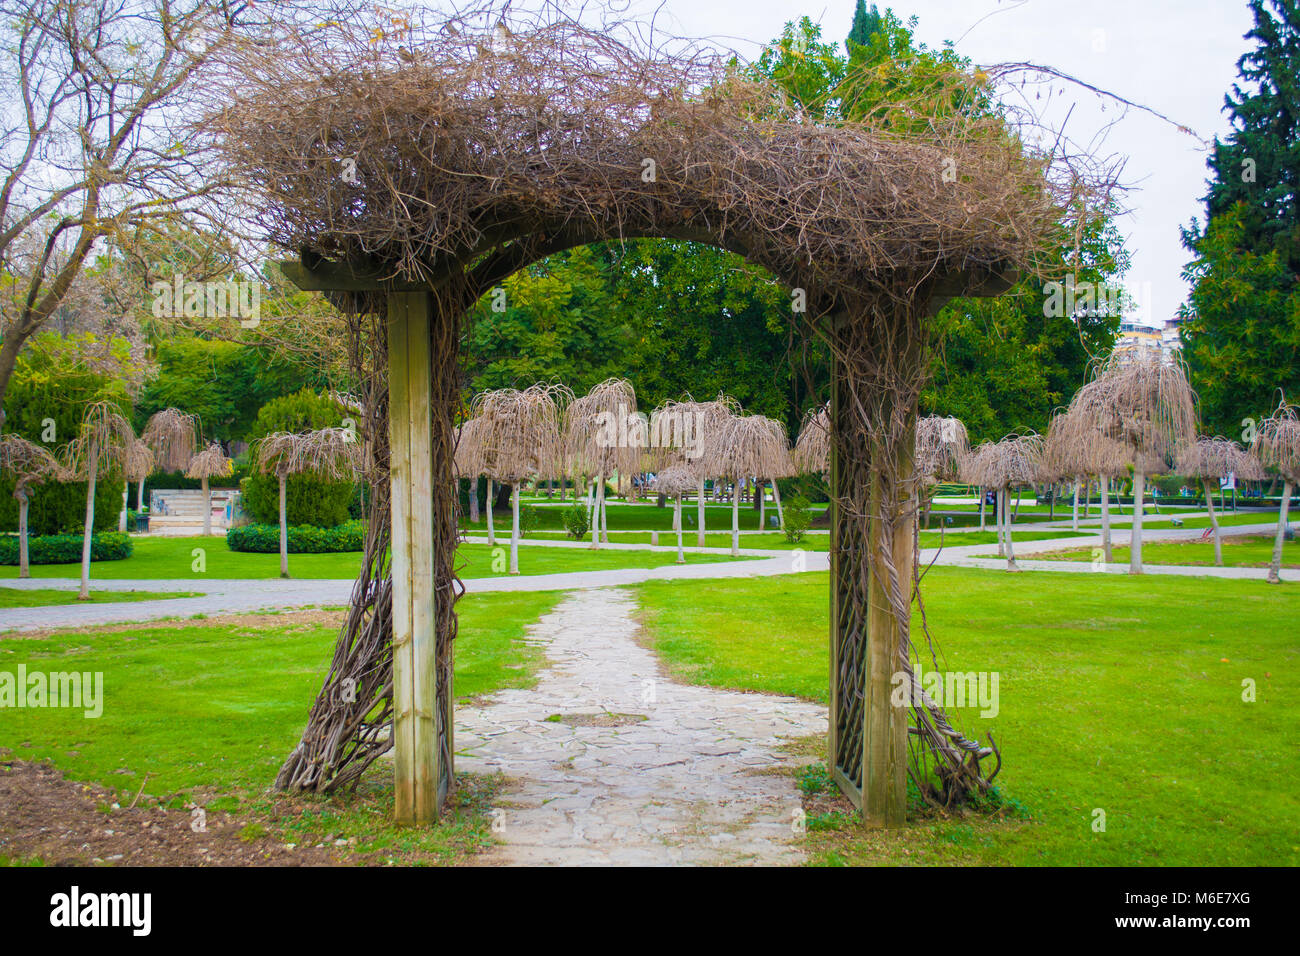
(1171, 339)
(1135, 338)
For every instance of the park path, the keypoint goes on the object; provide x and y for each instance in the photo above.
(638, 769)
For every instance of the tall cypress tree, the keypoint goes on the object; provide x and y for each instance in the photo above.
(1242, 339)
(864, 24)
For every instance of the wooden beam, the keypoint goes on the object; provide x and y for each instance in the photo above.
(415, 691)
(323, 276)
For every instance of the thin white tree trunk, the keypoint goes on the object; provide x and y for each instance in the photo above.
(84, 593)
(681, 555)
(1214, 523)
(1103, 483)
(492, 535)
(473, 500)
(760, 489)
(1077, 482)
(139, 497)
(735, 520)
(604, 514)
(207, 508)
(595, 515)
(699, 515)
(121, 518)
(999, 502)
(1275, 568)
(1135, 532)
(24, 571)
(780, 513)
(514, 531)
(1011, 551)
(284, 526)
(981, 491)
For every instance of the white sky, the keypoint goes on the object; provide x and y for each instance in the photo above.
(1175, 56)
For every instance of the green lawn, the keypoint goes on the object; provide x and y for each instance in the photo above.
(819, 541)
(1121, 694)
(644, 516)
(175, 558)
(1242, 551)
(219, 706)
(42, 597)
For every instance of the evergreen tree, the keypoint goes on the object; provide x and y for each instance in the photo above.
(864, 25)
(1242, 338)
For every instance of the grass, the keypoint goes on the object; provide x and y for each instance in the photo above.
(43, 597)
(644, 516)
(1241, 551)
(167, 558)
(1121, 694)
(819, 541)
(219, 704)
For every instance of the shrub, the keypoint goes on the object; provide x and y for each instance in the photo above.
(66, 548)
(303, 539)
(529, 519)
(577, 520)
(798, 517)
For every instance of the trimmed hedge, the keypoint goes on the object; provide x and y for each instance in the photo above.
(303, 539)
(66, 548)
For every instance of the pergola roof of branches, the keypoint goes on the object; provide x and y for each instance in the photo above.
(28, 462)
(1015, 461)
(1218, 458)
(941, 445)
(521, 431)
(332, 453)
(173, 437)
(751, 445)
(1142, 402)
(812, 449)
(209, 463)
(416, 149)
(1277, 442)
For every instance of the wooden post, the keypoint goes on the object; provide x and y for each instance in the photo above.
(415, 725)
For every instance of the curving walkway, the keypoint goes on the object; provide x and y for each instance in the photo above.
(637, 769)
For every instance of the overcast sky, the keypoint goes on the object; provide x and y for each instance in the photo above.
(1175, 56)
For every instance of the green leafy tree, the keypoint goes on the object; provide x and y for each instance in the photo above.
(865, 25)
(1242, 335)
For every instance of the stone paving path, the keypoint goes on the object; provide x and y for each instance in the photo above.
(697, 781)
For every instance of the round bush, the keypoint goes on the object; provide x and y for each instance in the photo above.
(303, 539)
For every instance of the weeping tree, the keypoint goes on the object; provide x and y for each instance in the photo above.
(1214, 459)
(333, 454)
(28, 464)
(207, 464)
(104, 440)
(594, 428)
(1014, 462)
(812, 449)
(173, 437)
(522, 438)
(684, 431)
(1147, 406)
(942, 444)
(138, 466)
(748, 446)
(675, 481)
(1277, 445)
(1077, 449)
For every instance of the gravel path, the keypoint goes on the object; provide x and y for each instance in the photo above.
(638, 769)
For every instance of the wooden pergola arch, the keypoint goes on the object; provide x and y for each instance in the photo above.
(468, 157)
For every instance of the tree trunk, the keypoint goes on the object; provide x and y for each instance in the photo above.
(735, 521)
(780, 512)
(981, 493)
(699, 515)
(1016, 512)
(1011, 551)
(24, 571)
(1074, 526)
(598, 498)
(681, 555)
(284, 526)
(1051, 502)
(84, 593)
(1275, 568)
(1103, 483)
(121, 518)
(760, 489)
(1214, 523)
(999, 505)
(473, 500)
(1135, 529)
(139, 497)
(492, 535)
(514, 530)
(207, 508)
(604, 514)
